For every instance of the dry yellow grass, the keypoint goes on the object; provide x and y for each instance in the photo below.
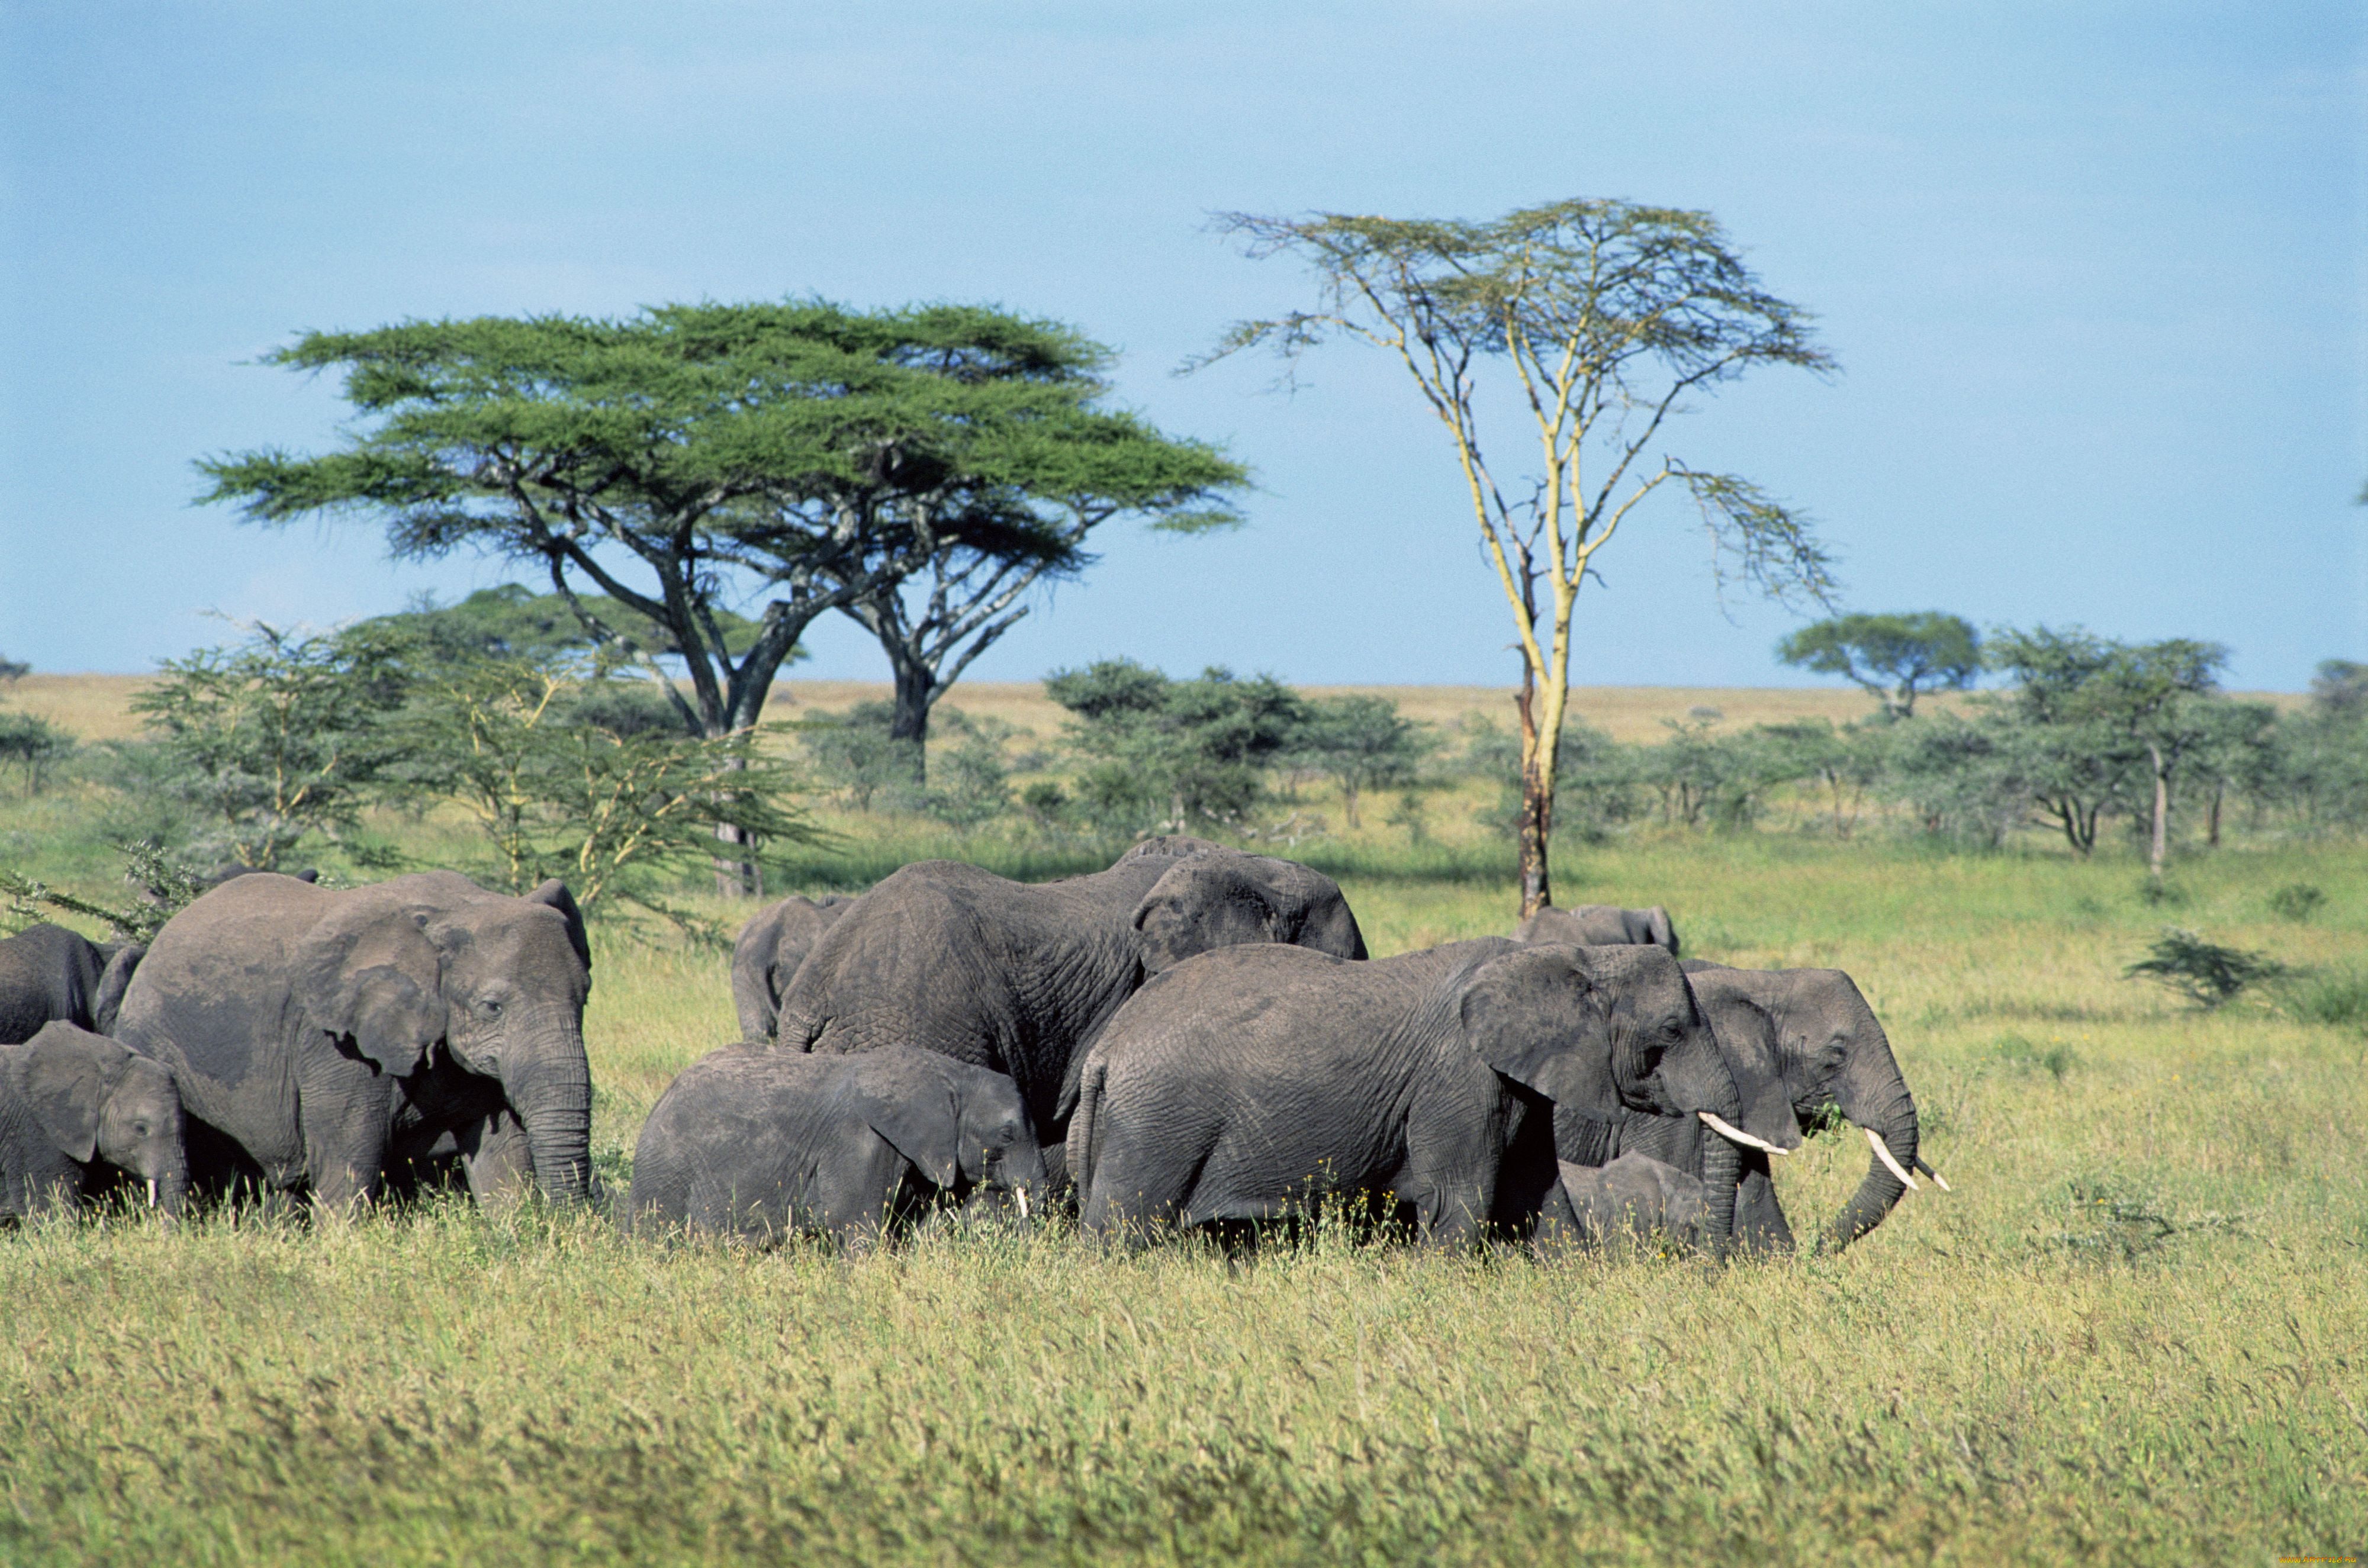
(96, 708)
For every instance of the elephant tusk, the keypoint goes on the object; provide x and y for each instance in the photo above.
(1737, 1135)
(1938, 1179)
(1022, 1193)
(1883, 1153)
(152, 1192)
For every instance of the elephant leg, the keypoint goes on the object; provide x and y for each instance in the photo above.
(346, 1111)
(497, 1160)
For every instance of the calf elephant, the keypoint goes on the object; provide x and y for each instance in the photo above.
(320, 1039)
(1799, 1041)
(73, 1103)
(1600, 924)
(48, 971)
(1635, 1198)
(767, 955)
(765, 1143)
(1019, 977)
(1250, 1082)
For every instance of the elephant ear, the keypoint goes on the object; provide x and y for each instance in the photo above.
(1205, 902)
(1661, 929)
(370, 973)
(920, 1115)
(553, 894)
(1538, 1016)
(63, 1074)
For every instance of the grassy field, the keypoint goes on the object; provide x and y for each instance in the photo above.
(2135, 1333)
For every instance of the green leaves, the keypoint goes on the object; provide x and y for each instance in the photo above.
(1898, 658)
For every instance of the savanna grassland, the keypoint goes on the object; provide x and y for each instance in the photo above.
(2136, 1332)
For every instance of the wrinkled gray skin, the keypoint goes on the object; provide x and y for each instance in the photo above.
(1634, 1198)
(73, 1104)
(1797, 1040)
(1600, 924)
(764, 1143)
(767, 955)
(1018, 977)
(230, 868)
(322, 1038)
(48, 971)
(1249, 1081)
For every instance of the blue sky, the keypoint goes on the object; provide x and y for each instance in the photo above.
(2094, 275)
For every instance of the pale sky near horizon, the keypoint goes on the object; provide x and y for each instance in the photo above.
(2093, 274)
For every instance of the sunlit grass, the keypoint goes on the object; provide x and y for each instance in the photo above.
(2134, 1333)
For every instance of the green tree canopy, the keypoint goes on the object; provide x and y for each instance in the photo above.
(1174, 752)
(511, 620)
(802, 456)
(1897, 658)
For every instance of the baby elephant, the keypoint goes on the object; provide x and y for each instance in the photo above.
(1629, 1199)
(766, 1143)
(71, 1101)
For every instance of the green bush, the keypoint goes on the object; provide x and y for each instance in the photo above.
(2205, 972)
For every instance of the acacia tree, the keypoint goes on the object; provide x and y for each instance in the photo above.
(2126, 702)
(799, 454)
(1601, 318)
(1895, 658)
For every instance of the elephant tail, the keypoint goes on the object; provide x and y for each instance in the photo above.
(1083, 1147)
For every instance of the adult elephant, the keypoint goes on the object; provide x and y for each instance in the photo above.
(1248, 1083)
(47, 972)
(1799, 1042)
(320, 1039)
(1600, 924)
(1019, 977)
(765, 957)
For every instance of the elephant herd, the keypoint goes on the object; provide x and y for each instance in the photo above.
(1192, 1041)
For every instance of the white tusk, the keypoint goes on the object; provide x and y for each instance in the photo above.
(1938, 1179)
(1737, 1135)
(152, 1192)
(1883, 1153)
(1021, 1193)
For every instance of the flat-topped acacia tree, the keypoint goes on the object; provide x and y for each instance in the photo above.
(1584, 325)
(802, 455)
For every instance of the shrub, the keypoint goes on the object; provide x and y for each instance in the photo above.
(2205, 972)
(2297, 901)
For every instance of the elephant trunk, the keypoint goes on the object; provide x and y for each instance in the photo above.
(1890, 1116)
(1721, 1165)
(551, 1090)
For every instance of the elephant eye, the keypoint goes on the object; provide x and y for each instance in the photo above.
(490, 1008)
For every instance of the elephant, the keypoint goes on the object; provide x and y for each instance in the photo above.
(766, 1143)
(1019, 977)
(767, 955)
(71, 1102)
(1797, 1042)
(230, 868)
(1632, 1199)
(1249, 1082)
(49, 972)
(325, 1039)
(1600, 924)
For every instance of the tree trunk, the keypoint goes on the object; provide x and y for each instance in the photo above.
(2211, 834)
(1537, 803)
(2157, 842)
(917, 690)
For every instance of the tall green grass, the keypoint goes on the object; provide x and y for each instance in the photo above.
(2135, 1333)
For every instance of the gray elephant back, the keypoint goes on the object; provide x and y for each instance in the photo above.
(1020, 978)
(1601, 924)
(47, 972)
(766, 957)
(1634, 1200)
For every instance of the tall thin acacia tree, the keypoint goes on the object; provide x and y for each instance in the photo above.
(1585, 325)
